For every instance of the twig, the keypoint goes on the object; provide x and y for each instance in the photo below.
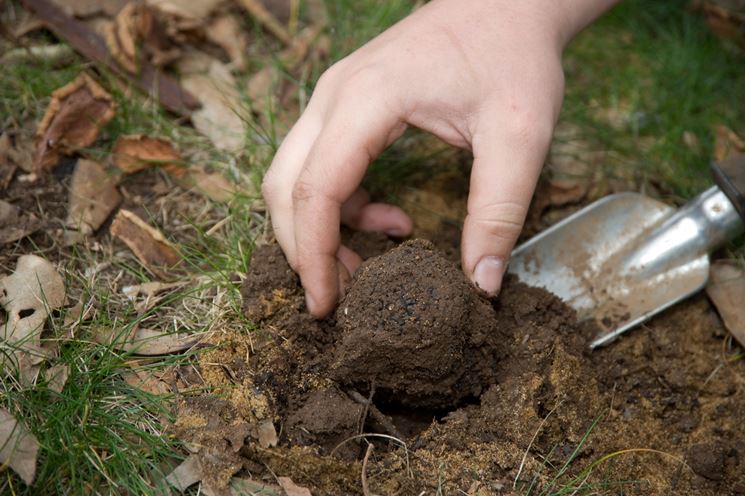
(383, 436)
(376, 414)
(365, 487)
(267, 19)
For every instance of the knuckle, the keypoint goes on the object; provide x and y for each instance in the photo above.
(269, 185)
(530, 125)
(500, 219)
(303, 191)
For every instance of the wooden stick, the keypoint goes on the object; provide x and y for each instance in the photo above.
(267, 19)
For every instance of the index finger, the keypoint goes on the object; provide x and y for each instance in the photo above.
(352, 136)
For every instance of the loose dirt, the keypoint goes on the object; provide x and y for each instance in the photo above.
(464, 395)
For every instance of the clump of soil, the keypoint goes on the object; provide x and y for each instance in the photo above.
(482, 397)
(411, 324)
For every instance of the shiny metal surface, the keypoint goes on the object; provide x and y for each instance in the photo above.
(627, 257)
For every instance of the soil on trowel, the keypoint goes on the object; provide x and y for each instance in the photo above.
(463, 395)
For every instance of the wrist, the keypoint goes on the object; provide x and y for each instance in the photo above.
(576, 15)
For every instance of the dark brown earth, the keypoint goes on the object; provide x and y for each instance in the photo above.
(489, 397)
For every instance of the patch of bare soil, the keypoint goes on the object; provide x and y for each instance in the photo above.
(458, 393)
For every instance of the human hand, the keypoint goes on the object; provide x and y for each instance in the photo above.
(483, 75)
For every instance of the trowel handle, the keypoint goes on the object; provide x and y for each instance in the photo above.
(730, 177)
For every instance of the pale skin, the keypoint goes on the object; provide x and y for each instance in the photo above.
(484, 75)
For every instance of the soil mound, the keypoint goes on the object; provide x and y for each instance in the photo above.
(409, 324)
(462, 395)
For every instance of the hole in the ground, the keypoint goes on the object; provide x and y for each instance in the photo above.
(410, 420)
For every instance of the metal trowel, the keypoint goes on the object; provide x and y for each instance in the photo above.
(627, 257)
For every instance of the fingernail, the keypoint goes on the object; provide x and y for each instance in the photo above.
(310, 302)
(395, 233)
(488, 274)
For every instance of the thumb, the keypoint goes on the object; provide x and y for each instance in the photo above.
(505, 171)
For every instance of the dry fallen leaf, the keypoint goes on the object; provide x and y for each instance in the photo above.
(146, 380)
(213, 185)
(74, 117)
(149, 290)
(56, 377)
(291, 488)
(121, 38)
(726, 289)
(211, 82)
(225, 32)
(267, 434)
(14, 224)
(88, 8)
(150, 247)
(93, 196)
(147, 342)
(188, 473)
(18, 447)
(136, 152)
(26, 294)
(195, 9)
(727, 144)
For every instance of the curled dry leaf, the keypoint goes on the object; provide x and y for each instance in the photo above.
(56, 377)
(18, 447)
(146, 380)
(26, 294)
(194, 9)
(121, 38)
(214, 86)
(727, 144)
(93, 196)
(292, 489)
(147, 342)
(135, 152)
(149, 290)
(14, 224)
(225, 32)
(150, 247)
(726, 289)
(74, 117)
(188, 473)
(88, 8)
(267, 434)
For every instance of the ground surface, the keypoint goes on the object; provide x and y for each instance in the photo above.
(458, 395)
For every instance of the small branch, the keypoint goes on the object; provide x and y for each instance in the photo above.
(365, 487)
(376, 414)
(267, 19)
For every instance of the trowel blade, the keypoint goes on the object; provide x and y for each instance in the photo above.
(578, 260)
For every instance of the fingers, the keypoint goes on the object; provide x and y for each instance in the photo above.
(331, 174)
(505, 171)
(281, 176)
(362, 215)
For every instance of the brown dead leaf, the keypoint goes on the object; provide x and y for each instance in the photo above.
(726, 289)
(213, 185)
(188, 473)
(211, 82)
(56, 377)
(93, 196)
(16, 151)
(153, 30)
(74, 117)
(18, 447)
(225, 32)
(291, 488)
(121, 38)
(727, 144)
(136, 152)
(150, 247)
(146, 380)
(14, 224)
(149, 290)
(267, 434)
(89, 8)
(266, 18)
(194, 9)
(147, 342)
(26, 295)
